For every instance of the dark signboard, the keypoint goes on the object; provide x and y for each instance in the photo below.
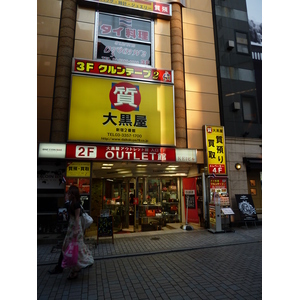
(245, 204)
(190, 200)
(105, 227)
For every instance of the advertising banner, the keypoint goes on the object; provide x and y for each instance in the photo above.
(78, 169)
(114, 111)
(126, 153)
(215, 149)
(107, 69)
(158, 8)
(126, 28)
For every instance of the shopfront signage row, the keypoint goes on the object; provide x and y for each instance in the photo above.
(114, 70)
(117, 153)
(153, 7)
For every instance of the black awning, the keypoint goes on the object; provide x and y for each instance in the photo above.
(252, 162)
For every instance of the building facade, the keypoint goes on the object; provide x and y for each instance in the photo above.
(239, 68)
(124, 92)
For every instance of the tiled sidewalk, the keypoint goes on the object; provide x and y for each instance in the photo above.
(134, 244)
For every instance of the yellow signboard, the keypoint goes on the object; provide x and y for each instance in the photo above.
(121, 111)
(78, 169)
(215, 149)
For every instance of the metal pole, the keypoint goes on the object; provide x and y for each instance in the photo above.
(204, 193)
(187, 209)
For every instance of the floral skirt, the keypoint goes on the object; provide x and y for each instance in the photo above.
(85, 257)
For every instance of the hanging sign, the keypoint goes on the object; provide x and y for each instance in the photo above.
(215, 149)
(114, 111)
(90, 67)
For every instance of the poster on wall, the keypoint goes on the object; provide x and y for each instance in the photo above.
(119, 112)
(50, 176)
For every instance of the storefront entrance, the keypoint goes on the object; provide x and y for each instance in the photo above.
(141, 203)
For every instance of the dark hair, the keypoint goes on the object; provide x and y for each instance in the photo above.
(74, 198)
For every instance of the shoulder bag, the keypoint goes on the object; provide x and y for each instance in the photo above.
(86, 219)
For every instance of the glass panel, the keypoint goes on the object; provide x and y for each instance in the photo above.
(242, 42)
(124, 40)
(170, 201)
(124, 52)
(242, 48)
(125, 28)
(153, 191)
(249, 110)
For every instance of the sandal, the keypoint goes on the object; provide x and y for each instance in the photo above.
(73, 275)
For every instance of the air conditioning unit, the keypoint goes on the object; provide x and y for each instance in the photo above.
(230, 44)
(236, 105)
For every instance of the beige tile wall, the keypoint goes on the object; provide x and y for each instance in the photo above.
(202, 104)
(84, 33)
(48, 20)
(162, 44)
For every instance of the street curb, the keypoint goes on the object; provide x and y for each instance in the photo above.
(158, 252)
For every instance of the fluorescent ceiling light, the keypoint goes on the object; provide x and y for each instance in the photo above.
(108, 164)
(105, 167)
(141, 165)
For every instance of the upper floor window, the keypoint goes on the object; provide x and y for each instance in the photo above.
(249, 109)
(242, 43)
(123, 39)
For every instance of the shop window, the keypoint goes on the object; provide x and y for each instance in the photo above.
(123, 39)
(249, 109)
(242, 43)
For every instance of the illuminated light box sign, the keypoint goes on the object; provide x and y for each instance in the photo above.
(78, 169)
(89, 67)
(124, 153)
(47, 150)
(114, 111)
(157, 8)
(186, 155)
(128, 153)
(215, 149)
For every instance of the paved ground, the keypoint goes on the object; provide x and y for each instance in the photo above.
(177, 264)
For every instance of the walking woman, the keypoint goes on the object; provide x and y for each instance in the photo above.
(75, 231)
